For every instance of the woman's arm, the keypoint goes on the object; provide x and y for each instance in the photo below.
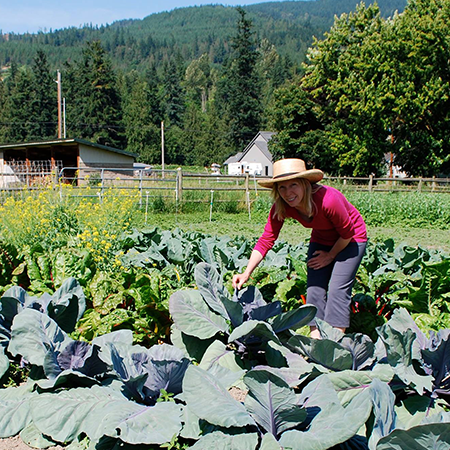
(255, 258)
(322, 258)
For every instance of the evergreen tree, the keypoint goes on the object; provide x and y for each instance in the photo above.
(43, 100)
(241, 86)
(173, 96)
(94, 104)
(29, 103)
(17, 112)
(143, 135)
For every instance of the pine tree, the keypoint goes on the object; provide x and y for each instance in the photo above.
(241, 86)
(143, 135)
(17, 111)
(95, 110)
(43, 100)
(173, 97)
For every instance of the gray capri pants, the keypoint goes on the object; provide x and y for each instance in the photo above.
(330, 288)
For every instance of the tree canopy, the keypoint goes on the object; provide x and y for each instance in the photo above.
(371, 87)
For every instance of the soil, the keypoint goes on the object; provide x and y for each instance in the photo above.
(15, 443)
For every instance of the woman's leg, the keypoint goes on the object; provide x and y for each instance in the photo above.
(317, 286)
(339, 297)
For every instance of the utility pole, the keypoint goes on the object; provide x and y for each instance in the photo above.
(162, 148)
(58, 81)
(64, 117)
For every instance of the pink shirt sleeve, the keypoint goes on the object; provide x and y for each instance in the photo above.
(270, 234)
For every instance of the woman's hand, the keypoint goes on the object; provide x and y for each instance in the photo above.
(239, 280)
(320, 259)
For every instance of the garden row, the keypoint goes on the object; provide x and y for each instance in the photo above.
(236, 376)
(151, 264)
(86, 298)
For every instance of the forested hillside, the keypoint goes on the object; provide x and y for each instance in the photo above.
(187, 33)
(342, 84)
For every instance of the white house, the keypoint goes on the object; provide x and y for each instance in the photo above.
(256, 159)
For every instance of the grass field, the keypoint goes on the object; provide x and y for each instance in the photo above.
(52, 218)
(292, 232)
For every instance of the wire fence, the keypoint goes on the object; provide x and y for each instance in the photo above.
(18, 178)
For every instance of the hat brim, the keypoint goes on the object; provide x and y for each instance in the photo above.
(312, 175)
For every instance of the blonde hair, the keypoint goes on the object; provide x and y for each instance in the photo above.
(307, 204)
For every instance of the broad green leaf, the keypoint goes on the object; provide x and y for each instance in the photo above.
(15, 409)
(34, 334)
(268, 442)
(333, 425)
(209, 400)
(296, 318)
(102, 411)
(217, 354)
(191, 424)
(399, 347)
(328, 353)
(320, 392)
(4, 362)
(210, 285)
(192, 315)
(252, 328)
(34, 438)
(67, 305)
(192, 346)
(271, 402)
(414, 409)
(349, 383)
(218, 440)
(434, 436)
(385, 418)
(151, 425)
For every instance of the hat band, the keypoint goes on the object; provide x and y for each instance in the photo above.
(287, 174)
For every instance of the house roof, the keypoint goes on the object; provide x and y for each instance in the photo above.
(262, 146)
(66, 142)
(234, 158)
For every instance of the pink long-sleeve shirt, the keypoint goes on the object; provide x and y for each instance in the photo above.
(336, 217)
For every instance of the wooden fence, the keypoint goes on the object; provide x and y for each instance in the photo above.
(181, 186)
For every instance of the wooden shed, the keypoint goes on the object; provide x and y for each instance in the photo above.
(63, 156)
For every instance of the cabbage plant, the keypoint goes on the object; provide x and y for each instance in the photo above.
(244, 322)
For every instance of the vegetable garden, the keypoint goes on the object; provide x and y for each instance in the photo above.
(116, 335)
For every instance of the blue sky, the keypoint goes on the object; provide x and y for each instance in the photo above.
(21, 16)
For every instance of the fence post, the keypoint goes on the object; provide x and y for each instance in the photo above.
(247, 196)
(101, 188)
(433, 184)
(140, 188)
(146, 207)
(211, 205)
(370, 182)
(419, 187)
(179, 183)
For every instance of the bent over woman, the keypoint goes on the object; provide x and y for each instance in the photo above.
(337, 244)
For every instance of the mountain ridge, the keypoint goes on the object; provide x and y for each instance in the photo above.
(188, 33)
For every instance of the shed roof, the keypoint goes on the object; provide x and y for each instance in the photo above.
(66, 142)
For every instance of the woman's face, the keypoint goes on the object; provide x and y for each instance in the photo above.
(291, 192)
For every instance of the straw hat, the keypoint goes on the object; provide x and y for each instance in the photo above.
(290, 168)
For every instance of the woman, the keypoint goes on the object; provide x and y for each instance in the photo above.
(338, 238)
